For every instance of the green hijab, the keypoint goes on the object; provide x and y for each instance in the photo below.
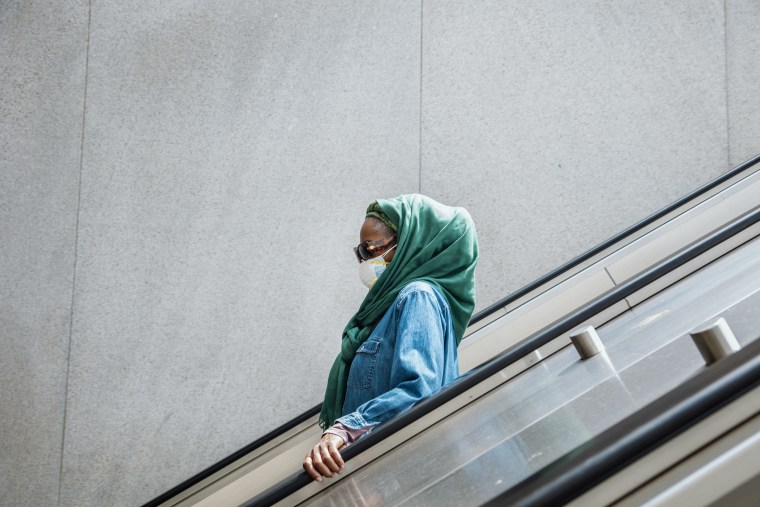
(437, 244)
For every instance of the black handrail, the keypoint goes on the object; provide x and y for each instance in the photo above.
(517, 352)
(312, 412)
(192, 481)
(611, 451)
(514, 296)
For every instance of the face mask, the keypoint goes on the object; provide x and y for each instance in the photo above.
(371, 269)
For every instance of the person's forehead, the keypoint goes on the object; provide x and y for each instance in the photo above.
(368, 230)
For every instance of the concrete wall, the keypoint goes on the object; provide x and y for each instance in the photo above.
(560, 123)
(181, 185)
(742, 78)
(42, 79)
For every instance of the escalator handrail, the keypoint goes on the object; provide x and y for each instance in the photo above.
(614, 449)
(518, 351)
(514, 296)
(197, 478)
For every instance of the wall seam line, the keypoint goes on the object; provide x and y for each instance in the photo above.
(419, 174)
(726, 83)
(76, 252)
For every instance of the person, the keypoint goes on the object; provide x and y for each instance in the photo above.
(417, 257)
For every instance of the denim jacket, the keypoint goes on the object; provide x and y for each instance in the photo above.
(411, 354)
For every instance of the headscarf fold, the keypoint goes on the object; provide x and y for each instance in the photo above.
(437, 244)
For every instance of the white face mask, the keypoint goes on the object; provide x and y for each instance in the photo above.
(371, 269)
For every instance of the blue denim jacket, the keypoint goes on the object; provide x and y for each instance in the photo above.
(411, 353)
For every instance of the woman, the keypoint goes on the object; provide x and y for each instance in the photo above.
(417, 257)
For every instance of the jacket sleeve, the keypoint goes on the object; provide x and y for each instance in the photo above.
(418, 360)
(349, 435)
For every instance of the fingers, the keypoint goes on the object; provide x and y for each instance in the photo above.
(334, 453)
(324, 459)
(308, 466)
(316, 459)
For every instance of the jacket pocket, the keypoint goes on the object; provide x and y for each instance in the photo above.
(362, 371)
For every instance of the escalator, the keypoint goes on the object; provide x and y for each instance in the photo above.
(518, 429)
(527, 405)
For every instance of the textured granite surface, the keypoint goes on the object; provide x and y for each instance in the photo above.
(42, 77)
(562, 123)
(230, 151)
(743, 76)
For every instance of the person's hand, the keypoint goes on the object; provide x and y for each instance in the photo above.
(324, 458)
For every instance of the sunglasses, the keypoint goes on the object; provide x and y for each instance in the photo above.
(365, 250)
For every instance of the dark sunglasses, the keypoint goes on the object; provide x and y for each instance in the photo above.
(365, 250)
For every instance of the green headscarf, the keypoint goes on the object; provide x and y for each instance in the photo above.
(437, 244)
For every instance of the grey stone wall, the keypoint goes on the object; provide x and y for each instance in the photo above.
(181, 186)
(42, 80)
(742, 78)
(560, 123)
